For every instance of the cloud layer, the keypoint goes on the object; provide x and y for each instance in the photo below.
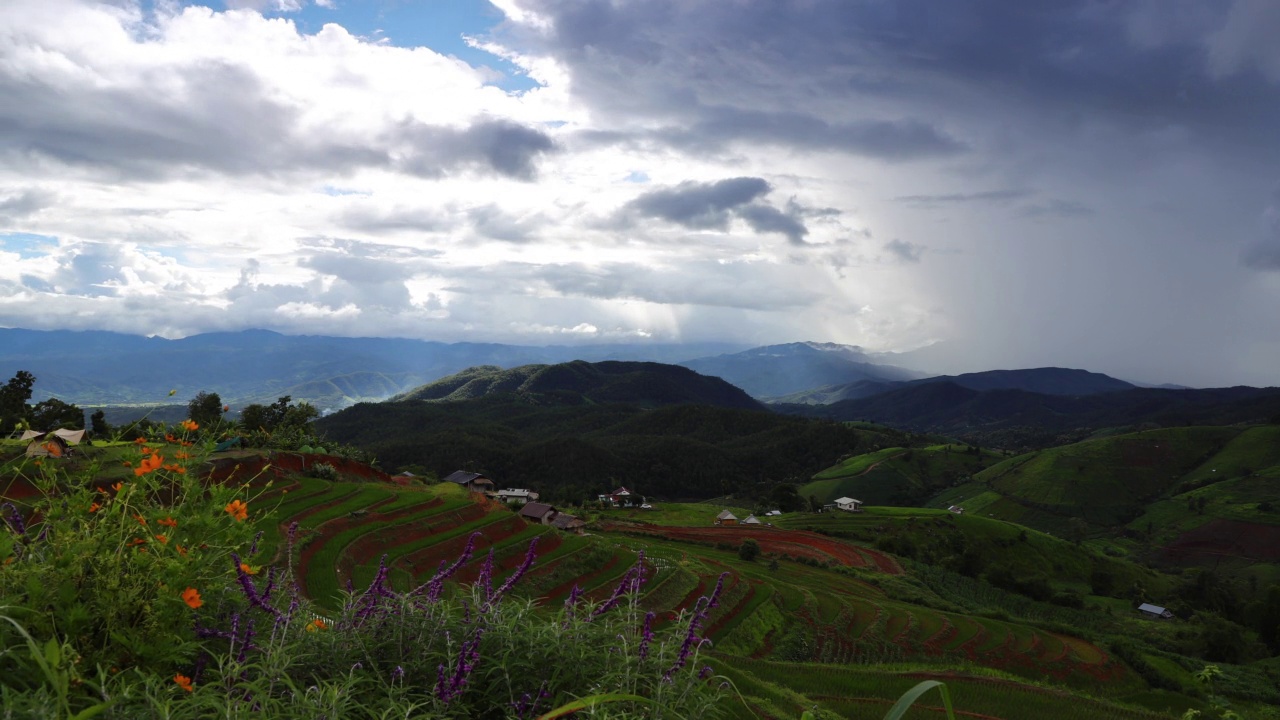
(1066, 183)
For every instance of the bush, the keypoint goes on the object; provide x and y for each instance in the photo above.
(146, 592)
(324, 471)
(749, 550)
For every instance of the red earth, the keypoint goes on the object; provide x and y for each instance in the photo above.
(797, 543)
(1221, 538)
(246, 466)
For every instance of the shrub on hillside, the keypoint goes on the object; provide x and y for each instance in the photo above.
(324, 471)
(144, 597)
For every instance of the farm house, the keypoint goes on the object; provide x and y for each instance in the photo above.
(849, 504)
(1155, 611)
(726, 518)
(536, 512)
(475, 482)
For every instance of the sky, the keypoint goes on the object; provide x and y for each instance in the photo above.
(1076, 183)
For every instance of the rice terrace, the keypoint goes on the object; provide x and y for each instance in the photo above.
(829, 612)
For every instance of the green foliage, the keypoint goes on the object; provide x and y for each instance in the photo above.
(100, 570)
(98, 424)
(13, 399)
(205, 409)
(323, 470)
(282, 415)
(99, 612)
(571, 454)
(749, 550)
(53, 413)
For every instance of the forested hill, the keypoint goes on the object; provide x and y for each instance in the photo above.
(1009, 418)
(573, 452)
(638, 383)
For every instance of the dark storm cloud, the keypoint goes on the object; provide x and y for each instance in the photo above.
(699, 206)
(763, 218)
(500, 146)
(712, 205)
(882, 139)
(797, 73)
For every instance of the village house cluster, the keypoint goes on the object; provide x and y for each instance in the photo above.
(531, 510)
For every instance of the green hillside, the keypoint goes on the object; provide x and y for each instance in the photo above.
(578, 382)
(579, 451)
(899, 476)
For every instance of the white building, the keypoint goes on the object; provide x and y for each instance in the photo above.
(849, 504)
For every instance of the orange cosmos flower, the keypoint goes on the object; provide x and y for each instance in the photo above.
(226, 408)
(183, 682)
(168, 522)
(190, 425)
(191, 597)
(149, 464)
(247, 569)
(181, 550)
(137, 541)
(237, 510)
(170, 438)
(141, 520)
(118, 486)
(176, 469)
(95, 508)
(139, 441)
(162, 538)
(182, 455)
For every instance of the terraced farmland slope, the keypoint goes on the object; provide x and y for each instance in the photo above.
(1207, 496)
(838, 609)
(899, 475)
(841, 611)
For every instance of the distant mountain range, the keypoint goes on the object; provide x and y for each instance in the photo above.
(1048, 381)
(1013, 417)
(779, 370)
(644, 384)
(105, 368)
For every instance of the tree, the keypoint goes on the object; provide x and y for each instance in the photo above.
(205, 408)
(749, 550)
(1077, 530)
(53, 413)
(98, 424)
(279, 414)
(13, 398)
(787, 498)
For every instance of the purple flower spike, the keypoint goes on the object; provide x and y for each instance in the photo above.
(435, 586)
(701, 610)
(15, 520)
(646, 635)
(629, 585)
(530, 556)
(251, 592)
(485, 581)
